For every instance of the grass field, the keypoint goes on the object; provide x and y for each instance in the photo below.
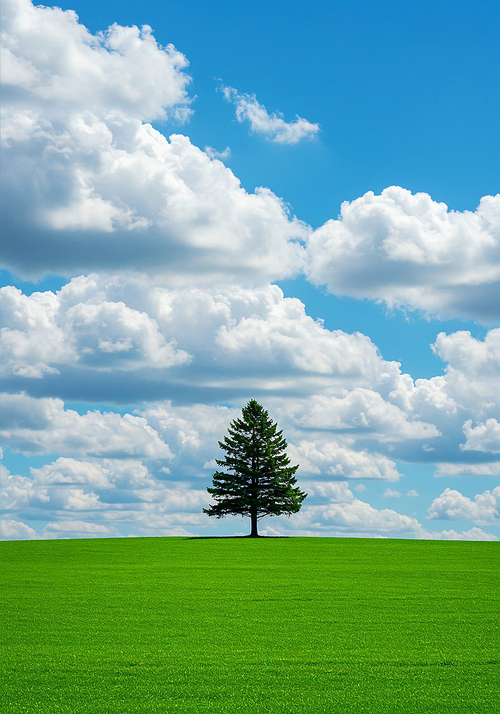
(292, 625)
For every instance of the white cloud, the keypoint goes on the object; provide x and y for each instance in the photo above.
(19, 492)
(178, 531)
(281, 331)
(468, 393)
(117, 187)
(329, 458)
(412, 253)
(457, 469)
(472, 534)
(101, 474)
(87, 185)
(42, 332)
(356, 516)
(360, 487)
(110, 492)
(470, 388)
(173, 524)
(36, 426)
(452, 505)
(391, 493)
(193, 432)
(412, 493)
(242, 342)
(342, 515)
(112, 332)
(16, 530)
(334, 491)
(273, 126)
(75, 499)
(359, 411)
(178, 497)
(214, 154)
(248, 336)
(31, 339)
(57, 65)
(78, 529)
(465, 354)
(140, 204)
(143, 203)
(483, 437)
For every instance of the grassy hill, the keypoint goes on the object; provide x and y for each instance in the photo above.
(288, 626)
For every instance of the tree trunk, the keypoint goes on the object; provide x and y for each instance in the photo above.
(253, 517)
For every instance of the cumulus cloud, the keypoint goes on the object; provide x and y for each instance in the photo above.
(473, 357)
(104, 494)
(467, 394)
(483, 437)
(281, 331)
(247, 336)
(20, 492)
(452, 505)
(356, 516)
(457, 469)
(214, 154)
(348, 516)
(334, 491)
(52, 63)
(78, 529)
(42, 331)
(193, 432)
(359, 411)
(391, 493)
(87, 185)
(234, 343)
(472, 534)
(37, 426)
(333, 460)
(142, 204)
(31, 339)
(412, 493)
(344, 515)
(272, 126)
(11, 529)
(100, 474)
(412, 253)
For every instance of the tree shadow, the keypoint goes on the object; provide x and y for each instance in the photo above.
(233, 537)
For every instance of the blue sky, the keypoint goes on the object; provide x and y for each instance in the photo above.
(300, 207)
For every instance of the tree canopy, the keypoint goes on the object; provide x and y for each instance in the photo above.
(258, 480)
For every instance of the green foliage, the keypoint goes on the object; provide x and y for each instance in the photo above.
(259, 481)
(250, 626)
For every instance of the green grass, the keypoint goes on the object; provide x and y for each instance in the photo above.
(288, 626)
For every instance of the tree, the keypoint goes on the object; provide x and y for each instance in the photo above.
(260, 481)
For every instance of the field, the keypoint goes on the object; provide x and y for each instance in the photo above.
(271, 625)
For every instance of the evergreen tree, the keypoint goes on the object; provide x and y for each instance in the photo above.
(260, 481)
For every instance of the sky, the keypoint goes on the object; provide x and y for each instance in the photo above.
(205, 203)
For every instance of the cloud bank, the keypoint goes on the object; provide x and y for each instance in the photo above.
(89, 185)
(332, 391)
(169, 314)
